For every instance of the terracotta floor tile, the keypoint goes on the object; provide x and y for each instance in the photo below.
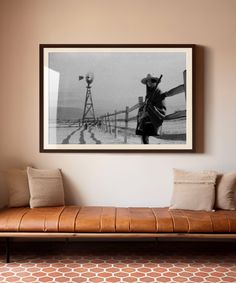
(140, 269)
(88, 274)
(161, 269)
(229, 279)
(122, 274)
(212, 279)
(39, 274)
(231, 273)
(185, 274)
(137, 274)
(13, 279)
(45, 279)
(55, 274)
(120, 262)
(175, 269)
(20, 269)
(80, 269)
(129, 270)
(104, 274)
(201, 274)
(29, 279)
(130, 279)
(161, 279)
(49, 269)
(89, 265)
(96, 279)
(79, 280)
(30, 269)
(191, 269)
(64, 269)
(23, 274)
(155, 274)
(207, 269)
(218, 274)
(62, 279)
(180, 279)
(113, 279)
(169, 274)
(8, 274)
(3, 269)
(195, 279)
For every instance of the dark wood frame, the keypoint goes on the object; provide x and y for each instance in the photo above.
(41, 101)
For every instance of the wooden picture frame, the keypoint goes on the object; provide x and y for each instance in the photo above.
(98, 97)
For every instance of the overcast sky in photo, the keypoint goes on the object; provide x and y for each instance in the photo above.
(117, 77)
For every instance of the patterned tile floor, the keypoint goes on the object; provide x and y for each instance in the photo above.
(120, 262)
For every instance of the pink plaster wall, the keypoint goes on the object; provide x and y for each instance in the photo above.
(110, 178)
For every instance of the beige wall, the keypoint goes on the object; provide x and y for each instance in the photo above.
(118, 178)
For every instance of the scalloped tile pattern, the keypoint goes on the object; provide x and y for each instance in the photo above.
(120, 262)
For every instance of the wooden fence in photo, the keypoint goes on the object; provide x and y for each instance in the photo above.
(110, 122)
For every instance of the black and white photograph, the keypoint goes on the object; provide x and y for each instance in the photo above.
(116, 97)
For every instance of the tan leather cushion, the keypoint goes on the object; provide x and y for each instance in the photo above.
(225, 190)
(46, 187)
(193, 190)
(120, 220)
(18, 188)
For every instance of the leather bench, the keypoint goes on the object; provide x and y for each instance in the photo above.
(111, 222)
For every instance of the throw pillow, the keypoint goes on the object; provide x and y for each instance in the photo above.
(225, 190)
(46, 187)
(18, 188)
(193, 190)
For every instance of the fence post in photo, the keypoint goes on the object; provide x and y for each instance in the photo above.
(184, 77)
(126, 123)
(140, 101)
(115, 126)
(103, 124)
(108, 122)
(106, 128)
(107, 119)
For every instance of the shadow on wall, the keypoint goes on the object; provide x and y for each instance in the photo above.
(3, 191)
(198, 101)
(72, 195)
(9, 163)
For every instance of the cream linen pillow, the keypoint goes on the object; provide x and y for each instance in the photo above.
(193, 190)
(18, 188)
(46, 187)
(225, 190)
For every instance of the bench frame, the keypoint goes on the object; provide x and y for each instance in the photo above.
(9, 235)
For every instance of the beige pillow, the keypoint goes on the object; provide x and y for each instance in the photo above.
(18, 188)
(193, 190)
(225, 190)
(46, 187)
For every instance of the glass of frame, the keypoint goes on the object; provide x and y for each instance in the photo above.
(116, 97)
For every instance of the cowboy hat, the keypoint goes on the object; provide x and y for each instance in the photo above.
(150, 77)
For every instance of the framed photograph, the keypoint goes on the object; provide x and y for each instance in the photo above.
(116, 97)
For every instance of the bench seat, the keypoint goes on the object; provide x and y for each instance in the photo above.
(75, 219)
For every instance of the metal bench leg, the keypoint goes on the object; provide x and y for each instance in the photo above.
(7, 250)
(156, 242)
(66, 243)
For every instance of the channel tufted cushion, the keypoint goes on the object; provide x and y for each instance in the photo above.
(73, 219)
